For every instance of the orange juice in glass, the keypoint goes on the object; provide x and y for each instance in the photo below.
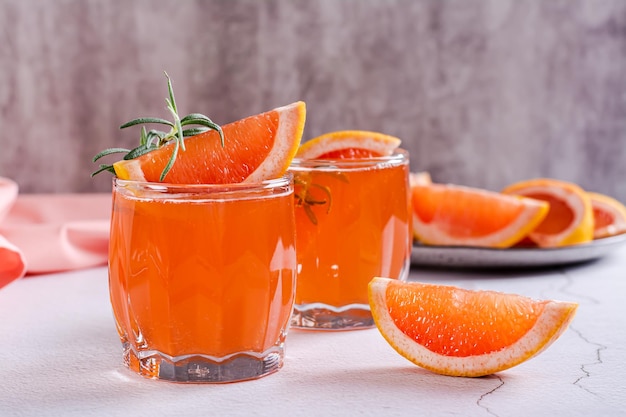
(202, 278)
(352, 224)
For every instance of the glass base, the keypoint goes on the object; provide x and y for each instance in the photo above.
(203, 368)
(319, 316)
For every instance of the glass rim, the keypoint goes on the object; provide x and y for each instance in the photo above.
(198, 193)
(398, 156)
(283, 180)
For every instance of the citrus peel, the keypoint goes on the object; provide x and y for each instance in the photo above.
(454, 215)
(570, 218)
(411, 314)
(349, 144)
(609, 215)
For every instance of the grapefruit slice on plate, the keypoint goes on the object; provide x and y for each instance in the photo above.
(570, 218)
(454, 215)
(609, 215)
(459, 332)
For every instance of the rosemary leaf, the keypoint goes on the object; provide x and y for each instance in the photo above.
(109, 152)
(170, 162)
(208, 123)
(193, 131)
(342, 177)
(143, 120)
(179, 133)
(144, 136)
(158, 135)
(170, 90)
(138, 151)
(312, 202)
(194, 118)
(103, 168)
(309, 212)
(326, 191)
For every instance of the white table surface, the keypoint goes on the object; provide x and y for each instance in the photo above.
(60, 356)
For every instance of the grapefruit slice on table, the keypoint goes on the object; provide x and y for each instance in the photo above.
(348, 144)
(609, 215)
(256, 148)
(570, 218)
(454, 215)
(458, 332)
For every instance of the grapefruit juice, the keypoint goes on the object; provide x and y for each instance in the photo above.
(202, 278)
(352, 224)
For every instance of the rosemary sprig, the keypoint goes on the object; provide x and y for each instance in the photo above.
(306, 198)
(306, 201)
(154, 139)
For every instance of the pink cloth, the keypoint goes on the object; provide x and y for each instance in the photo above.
(41, 233)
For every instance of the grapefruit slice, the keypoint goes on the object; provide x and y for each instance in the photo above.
(609, 215)
(458, 332)
(348, 144)
(255, 148)
(454, 215)
(570, 218)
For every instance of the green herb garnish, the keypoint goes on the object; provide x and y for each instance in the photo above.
(304, 195)
(154, 139)
(304, 198)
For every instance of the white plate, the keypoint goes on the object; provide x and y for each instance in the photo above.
(472, 257)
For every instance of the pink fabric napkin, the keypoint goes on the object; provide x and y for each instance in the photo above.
(42, 233)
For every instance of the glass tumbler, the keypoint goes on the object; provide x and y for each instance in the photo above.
(202, 278)
(353, 223)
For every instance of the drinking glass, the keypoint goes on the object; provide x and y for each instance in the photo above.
(202, 278)
(353, 223)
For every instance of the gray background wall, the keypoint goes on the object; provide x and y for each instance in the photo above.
(483, 93)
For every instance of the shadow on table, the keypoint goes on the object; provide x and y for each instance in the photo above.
(379, 383)
(78, 371)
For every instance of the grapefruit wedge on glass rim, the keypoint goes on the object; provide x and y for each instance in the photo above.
(458, 332)
(348, 144)
(255, 148)
(196, 150)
